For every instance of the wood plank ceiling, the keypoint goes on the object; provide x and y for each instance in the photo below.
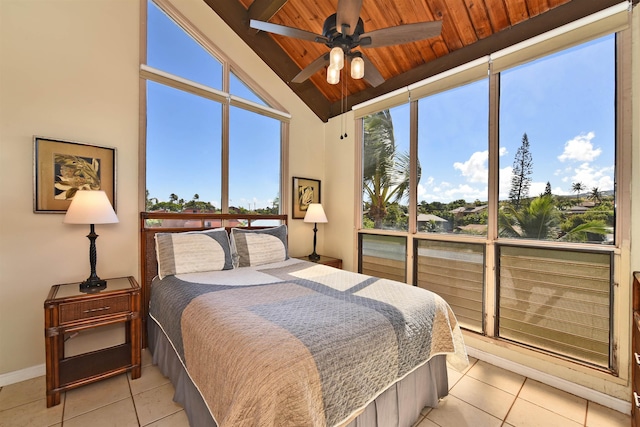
(470, 29)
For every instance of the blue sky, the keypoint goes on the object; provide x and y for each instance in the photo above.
(564, 102)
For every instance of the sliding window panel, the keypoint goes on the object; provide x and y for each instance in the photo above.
(557, 301)
(383, 256)
(455, 271)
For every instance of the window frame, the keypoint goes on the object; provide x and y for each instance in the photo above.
(273, 109)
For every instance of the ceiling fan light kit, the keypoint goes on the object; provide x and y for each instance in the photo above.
(333, 75)
(336, 58)
(344, 31)
(357, 68)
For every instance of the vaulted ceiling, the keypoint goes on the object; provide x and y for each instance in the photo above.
(470, 29)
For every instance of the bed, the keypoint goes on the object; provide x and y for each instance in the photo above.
(252, 337)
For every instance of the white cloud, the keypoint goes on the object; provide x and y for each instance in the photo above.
(475, 169)
(580, 149)
(592, 177)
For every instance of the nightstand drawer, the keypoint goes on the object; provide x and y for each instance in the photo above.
(95, 307)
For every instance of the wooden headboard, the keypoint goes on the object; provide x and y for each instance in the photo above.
(170, 222)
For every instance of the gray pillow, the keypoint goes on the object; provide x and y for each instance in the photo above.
(193, 251)
(258, 247)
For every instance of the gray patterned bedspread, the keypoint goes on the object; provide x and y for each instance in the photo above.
(297, 343)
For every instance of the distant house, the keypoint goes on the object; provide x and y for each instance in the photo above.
(466, 210)
(430, 222)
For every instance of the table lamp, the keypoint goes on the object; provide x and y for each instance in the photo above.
(91, 207)
(315, 214)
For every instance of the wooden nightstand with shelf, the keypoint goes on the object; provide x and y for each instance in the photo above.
(324, 260)
(67, 310)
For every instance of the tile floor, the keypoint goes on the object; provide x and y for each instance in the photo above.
(482, 395)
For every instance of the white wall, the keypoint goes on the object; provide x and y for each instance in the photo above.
(69, 70)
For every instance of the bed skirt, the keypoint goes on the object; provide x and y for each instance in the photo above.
(398, 406)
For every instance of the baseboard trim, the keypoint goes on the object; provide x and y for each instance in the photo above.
(22, 375)
(553, 381)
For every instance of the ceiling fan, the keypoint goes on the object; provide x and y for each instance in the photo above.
(344, 31)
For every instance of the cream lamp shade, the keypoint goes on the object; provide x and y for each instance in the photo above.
(315, 213)
(90, 207)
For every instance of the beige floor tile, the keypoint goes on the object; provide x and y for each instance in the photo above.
(118, 414)
(558, 401)
(179, 419)
(17, 394)
(601, 416)
(151, 378)
(483, 396)
(93, 396)
(454, 376)
(427, 423)
(31, 414)
(497, 377)
(527, 414)
(155, 404)
(147, 357)
(453, 412)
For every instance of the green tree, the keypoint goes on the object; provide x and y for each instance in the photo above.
(521, 174)
(385, 171)
(596, 195)
(547, 189)
(577, 188)
(539, 220)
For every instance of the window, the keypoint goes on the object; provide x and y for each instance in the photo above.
(515, 189)
(386, 169)
(453, 154)
(207, 145)
(383, 256)
(557, 146)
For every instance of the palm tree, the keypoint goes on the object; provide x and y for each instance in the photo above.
(173, 197)
(577, 187)
(539, 220)
(596, 195)
(386, 172)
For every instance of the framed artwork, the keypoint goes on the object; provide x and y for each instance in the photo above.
(61, 168)
(305, 191)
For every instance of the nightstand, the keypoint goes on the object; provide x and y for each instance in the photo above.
(67, 311)
(324, 260)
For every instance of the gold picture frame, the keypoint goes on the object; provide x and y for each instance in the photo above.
(305, 191)
(61, 168)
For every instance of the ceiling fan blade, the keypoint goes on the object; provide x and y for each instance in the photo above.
(287, 31)
(401, 34)
(371, 73)
(348, 14)
(311, 69)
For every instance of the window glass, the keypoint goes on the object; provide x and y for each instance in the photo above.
(383, 256)
(453, 153)
(254, 163)
(185, 142)
(171, 49)
(386, 169)
(238, 88)
(455, 271)
(557, 300)
(183, 151)
(557, 146)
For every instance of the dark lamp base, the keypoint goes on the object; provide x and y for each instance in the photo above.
(93, 284)
(314, 257)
